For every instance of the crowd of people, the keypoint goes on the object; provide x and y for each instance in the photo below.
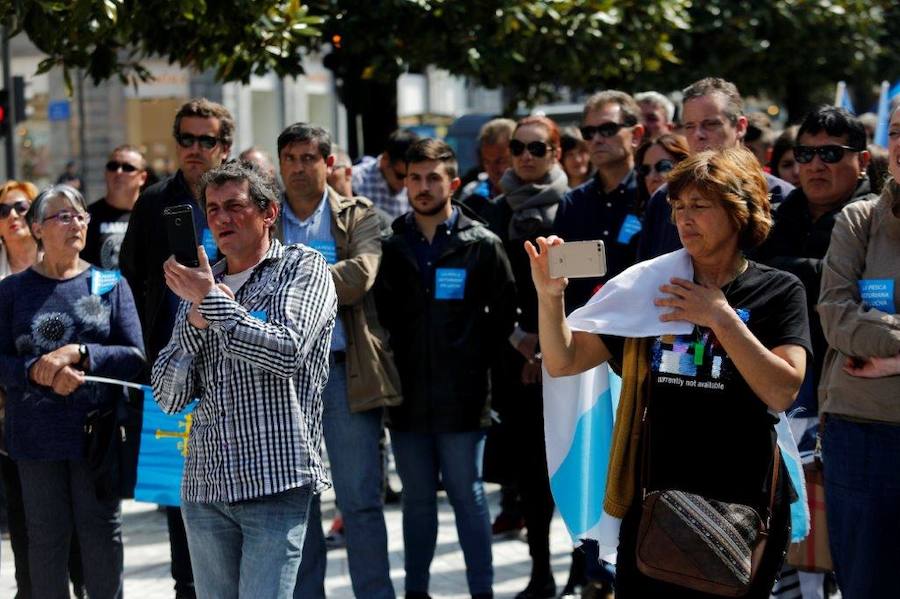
(329, 301)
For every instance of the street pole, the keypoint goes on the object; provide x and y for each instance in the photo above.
(11, 106)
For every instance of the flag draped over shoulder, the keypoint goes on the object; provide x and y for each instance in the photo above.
(164, 445)
(579, 410)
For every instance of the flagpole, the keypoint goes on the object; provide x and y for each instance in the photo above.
(101, 379)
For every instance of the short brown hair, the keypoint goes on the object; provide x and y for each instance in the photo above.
(496, 131)
(201, 107)
(732, 177)
(734, 104)
(26, 187)
(428, 148)
(631, 112)
(132, 149)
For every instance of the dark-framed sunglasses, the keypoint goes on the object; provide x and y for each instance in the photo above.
(829, 154)
(21, 207)
(661, 167)
(186, 140)
(113, 167)
(538, 149)
(606, 129)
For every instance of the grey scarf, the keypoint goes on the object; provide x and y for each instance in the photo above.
(533, 204)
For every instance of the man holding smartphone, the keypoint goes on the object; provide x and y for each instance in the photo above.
(203, 133)
(362, 379)
(251, 341)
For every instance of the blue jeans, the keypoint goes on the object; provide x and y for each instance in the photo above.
(862, 498)
(247, 548)
(457, 457)
(357, 473)
(311, 576)
(59, 497)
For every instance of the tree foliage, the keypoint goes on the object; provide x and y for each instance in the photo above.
(789, 49)
(109, 38)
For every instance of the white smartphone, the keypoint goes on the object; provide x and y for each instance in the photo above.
(578, 259)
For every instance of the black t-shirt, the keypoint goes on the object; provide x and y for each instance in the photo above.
(709, 433)
(105, 234)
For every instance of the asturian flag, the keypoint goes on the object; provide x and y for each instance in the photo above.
(579, 410)
(164, 446)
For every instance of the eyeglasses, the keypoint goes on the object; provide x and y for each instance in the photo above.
(186, 140)
(65, 217)
(21, 207)
(606, 129)
(829, 154)
(538, 149)
(661, 167)
(113, 167)
(399, 174)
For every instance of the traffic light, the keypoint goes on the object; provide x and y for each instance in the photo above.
(18, 89)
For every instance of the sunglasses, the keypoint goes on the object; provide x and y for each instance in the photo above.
(606, 129)
(65, 217)
(21, 208)
(186, 140)
(829, 154)
(538, 149)
(113, 167)
(661, 167)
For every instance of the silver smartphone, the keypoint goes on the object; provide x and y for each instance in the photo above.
(578, 259)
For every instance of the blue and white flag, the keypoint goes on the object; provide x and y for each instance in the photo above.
(579, 410)
(885, 99)
(842, 98)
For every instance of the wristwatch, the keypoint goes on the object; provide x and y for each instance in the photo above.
(82, 356)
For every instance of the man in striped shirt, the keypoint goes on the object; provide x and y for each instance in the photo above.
(251, 341)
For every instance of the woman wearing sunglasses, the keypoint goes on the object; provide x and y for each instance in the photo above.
(532, 188)
(18, 250)
(654, 160)
(58, 322)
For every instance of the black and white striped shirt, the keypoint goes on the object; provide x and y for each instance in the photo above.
(259, 371)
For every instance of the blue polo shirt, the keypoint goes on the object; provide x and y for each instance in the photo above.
(427, 253)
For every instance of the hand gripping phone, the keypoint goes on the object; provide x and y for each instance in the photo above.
(578, 259)
(182, 235)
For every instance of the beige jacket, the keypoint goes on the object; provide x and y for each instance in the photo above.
(372, 378)
(865, 244)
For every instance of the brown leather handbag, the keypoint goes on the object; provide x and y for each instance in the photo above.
(700, 543)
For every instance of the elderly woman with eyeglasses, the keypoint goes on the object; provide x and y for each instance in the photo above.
(59, 321)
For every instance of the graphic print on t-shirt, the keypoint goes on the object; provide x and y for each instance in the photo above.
(694, 361)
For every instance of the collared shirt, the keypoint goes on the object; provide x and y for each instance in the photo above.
(315, 232)
(427, 252)
(369, 183)
(259, 370)
(588, 212)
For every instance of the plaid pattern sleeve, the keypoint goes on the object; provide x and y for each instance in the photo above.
(259, 370)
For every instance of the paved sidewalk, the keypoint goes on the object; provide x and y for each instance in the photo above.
(147, 555)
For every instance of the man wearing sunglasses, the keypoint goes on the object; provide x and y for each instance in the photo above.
(126, 173)
(605, 206)
(712, 118)
(203, 132)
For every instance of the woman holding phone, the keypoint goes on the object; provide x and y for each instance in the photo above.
(708, 394)
(57, 323)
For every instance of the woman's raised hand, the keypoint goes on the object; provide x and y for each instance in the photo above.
(540, 267)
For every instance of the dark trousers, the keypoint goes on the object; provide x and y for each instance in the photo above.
(862, 499)
(527, 424)
(181, 557)
(59, 498)
(18, 533)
